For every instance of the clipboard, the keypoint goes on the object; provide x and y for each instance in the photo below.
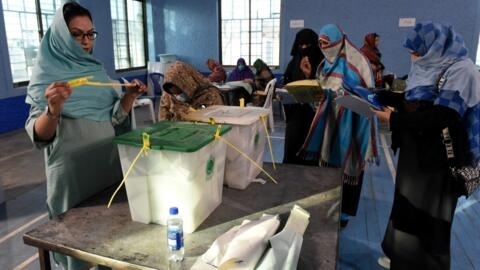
(356, 105)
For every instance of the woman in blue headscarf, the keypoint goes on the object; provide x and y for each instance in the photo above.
(75, 124)
(443, 91)
(339, 137)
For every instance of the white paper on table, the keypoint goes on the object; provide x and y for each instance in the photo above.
(245, 85)
(355, 104)
(243, 245)
(286, 245)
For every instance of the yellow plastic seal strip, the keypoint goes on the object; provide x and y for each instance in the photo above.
(79, 81)
(264, 121)
(212, 120)
(218, 137)
(86, 81)
(144, 150)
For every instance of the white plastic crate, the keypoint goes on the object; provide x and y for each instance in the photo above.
(247, 134)
(184, 168)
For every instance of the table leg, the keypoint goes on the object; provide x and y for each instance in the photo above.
(44, 258)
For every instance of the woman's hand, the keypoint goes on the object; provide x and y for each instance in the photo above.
(136, 89)
(46, 125)
(56, 94)
(383, 115)
(306, 67)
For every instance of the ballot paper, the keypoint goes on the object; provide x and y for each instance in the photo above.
(355, 104)
(366, 94)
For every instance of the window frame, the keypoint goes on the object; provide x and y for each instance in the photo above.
(251, 57)
(41, 18)
(477, 59)
(128, 41)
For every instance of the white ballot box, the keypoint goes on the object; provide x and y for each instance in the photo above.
(248, 134)
(184, 168)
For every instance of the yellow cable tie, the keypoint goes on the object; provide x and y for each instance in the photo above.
(270, 148)
(146, 140)
(125, 177)
(85, 81)
(78, 81)
(212, 120)
(144, 150)
(108, 84)
(247, 157)
(217, 133)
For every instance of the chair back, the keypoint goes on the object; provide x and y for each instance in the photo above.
(270, 88)
(157, 80)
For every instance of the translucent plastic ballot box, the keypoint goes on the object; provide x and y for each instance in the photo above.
(248, 134)
(184, 168)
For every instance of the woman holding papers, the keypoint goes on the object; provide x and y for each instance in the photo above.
(443, 91)
(338, 136)
(299, 115)
(305, 45)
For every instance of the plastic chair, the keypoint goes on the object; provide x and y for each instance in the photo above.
(140, 101)
(270, 89)
(280, 92)
(156, 80)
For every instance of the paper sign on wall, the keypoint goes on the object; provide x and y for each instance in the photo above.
(406, 22)
(296, 23)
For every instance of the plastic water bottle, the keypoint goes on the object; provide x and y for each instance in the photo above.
(175, 236)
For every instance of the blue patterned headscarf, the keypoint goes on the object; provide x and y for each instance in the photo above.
(442, 52)
(439, 46)
(343, 62)
(61, 58)
(337, 135)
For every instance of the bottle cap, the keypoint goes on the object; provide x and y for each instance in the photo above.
(173, 210)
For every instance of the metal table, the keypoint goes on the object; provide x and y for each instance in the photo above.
(107, 236)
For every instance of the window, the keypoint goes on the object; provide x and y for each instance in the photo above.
(477, 59)
(27, 23)
(128, 33)
(250, 29)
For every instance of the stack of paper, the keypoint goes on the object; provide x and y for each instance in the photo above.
(305, 91)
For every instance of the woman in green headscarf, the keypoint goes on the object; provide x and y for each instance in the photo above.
(75, 124)
(263, 75)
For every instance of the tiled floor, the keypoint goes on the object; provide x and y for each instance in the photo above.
(23, 189)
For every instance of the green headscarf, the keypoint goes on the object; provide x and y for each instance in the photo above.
(259, 65)
(61, 58)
